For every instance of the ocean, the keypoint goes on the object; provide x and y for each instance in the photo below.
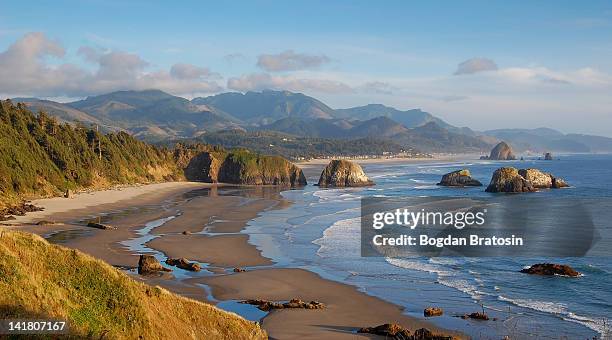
(320, 232)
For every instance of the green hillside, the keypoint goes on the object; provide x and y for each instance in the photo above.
(40, 280)
(41, 157)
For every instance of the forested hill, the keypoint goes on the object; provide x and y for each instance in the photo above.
(40, 157)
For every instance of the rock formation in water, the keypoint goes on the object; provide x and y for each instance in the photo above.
(183, 263)
(148, 264)
(244, 167)
(509, 179)
(343, 173)
(548, 156)
(501, 152)
(551, 269)
(459, 178)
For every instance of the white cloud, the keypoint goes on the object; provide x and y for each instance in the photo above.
(25, 70)
(475, 65)
(264, 81)
(290, 61)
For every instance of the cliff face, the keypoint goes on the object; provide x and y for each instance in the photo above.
(244, 167)
(502, 152)
(342, 173)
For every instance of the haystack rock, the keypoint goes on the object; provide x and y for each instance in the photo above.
(551, 269)
(459, 178)
(508, 179)
(343, 173)
(502, 152)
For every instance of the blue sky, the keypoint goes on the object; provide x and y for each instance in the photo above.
(528, 63)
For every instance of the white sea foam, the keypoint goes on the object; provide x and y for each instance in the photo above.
(600, 325)
(341, 239)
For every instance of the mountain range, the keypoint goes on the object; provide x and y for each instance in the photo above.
(154, 115)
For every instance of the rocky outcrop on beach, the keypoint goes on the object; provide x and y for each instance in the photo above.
(433, 311)
(459, 178)
(17, 210)
(148, 264)
(476, 316)
(101, 226)
(501, 152)
(343, 173)
(395, 331)
(266, 305)
(244, 167)
(183, 263)
(510, 179)
(551, 269)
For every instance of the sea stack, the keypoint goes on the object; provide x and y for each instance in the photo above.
(343, 173)
(548, 156)
(502, 152)
(510, 179)
(459, 178)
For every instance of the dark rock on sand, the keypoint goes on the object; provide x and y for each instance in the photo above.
(148, 264)
(508, 179)
(266, 305)
(100, 226)
(17, 210)
(501, 152)
(433, 311)
(551, 269)
(459, 178)
(343, 173)
(548, 156)
(476, 316)
(239, 270)
(395, 331)
(183, 263)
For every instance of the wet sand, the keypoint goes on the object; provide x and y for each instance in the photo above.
(213, 219)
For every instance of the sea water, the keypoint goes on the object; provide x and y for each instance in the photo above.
(321, 232)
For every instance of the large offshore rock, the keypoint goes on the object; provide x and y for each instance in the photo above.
(459, 178)
(343, 173)
(551, 269)
(508, 179)
(502, 152)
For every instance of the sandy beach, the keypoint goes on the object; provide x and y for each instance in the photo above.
(206, 227)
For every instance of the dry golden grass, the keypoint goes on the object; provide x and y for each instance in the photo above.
(40, 280)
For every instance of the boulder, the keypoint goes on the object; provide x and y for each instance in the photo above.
(551, 269)
(548, 156)
(558, 183)
(538, 179)
(476, 316)
(148, 264)
(101, 226)
(343, 173)
(508, 179)
(266, 305)
(183, 263)
(388, 330)
(239, 270)
(433, 311)
(502, 152)
(459, 178)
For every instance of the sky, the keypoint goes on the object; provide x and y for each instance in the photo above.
(482, 64)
